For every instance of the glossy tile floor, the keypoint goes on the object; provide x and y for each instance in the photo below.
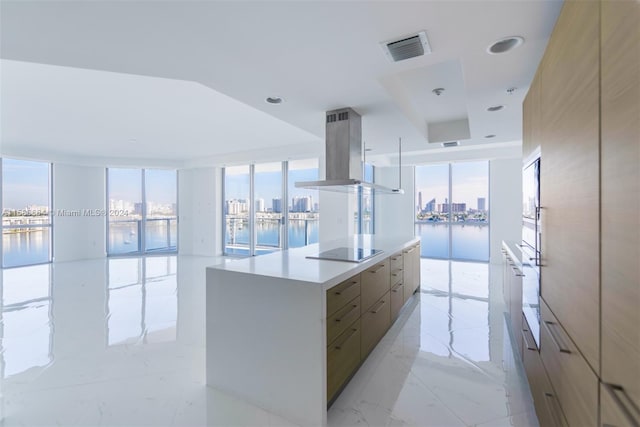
(121, 342)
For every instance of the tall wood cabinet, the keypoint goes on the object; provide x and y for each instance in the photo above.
(583, 112)
(620, 229)
(570, 139)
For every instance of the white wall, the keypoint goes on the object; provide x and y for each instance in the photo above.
(505, 203)
(394, 213)
(78, 188)
(200, 211)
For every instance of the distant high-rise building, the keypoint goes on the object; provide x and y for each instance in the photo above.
(137, 208)
(235, 207)
(301, 204)
(420, 201)
(316, 207)
(458, 207)
(260, 205)
(482, 204)
(430, 206)
(276, 205)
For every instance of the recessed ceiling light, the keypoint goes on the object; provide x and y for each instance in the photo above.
(505, 45)
(274, 100)
(438, 91)
(490, 136)
(495, 108)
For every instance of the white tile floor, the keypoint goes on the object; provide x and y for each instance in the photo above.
(121, 342)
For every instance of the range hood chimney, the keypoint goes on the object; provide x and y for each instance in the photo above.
(343, 156)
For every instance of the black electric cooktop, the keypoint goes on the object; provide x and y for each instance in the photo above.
(346, 254)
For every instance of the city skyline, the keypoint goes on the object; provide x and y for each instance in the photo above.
(470, 181)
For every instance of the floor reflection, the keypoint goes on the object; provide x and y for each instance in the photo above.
(121, 342)
(142, 300)
(26, 332)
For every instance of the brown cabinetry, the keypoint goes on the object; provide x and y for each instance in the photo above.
(360, 311)
(375, 282)
(570, 189)
(571, 377)
(343, 357)
(620, 227)
(548, 408)
(375, 323)
(411, 263)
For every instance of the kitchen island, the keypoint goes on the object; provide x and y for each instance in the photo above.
(283, 331)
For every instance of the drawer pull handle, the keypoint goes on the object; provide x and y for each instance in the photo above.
(409, 251)
(560, 348)
(397, 288)
(347, 338)
(517, 272)
(615, 391)
(339, 319)
(395, 258)
(355, 282)
(396, 274)
(552, 407)
(380, 267)
(380, 305)
(526, 341)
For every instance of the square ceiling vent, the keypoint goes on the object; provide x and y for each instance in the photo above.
(407, 47)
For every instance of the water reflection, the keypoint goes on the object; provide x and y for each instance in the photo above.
(455, 309)
(142, 300)
(26, 332)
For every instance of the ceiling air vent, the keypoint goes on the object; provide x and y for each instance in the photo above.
(407, 47)
(450, 144)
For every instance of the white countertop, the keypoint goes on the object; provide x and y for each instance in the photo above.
(292, 264)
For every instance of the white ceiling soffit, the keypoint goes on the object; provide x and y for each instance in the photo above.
(98, 114)
(317, 55)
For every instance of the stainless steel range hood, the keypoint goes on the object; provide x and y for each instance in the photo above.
(343, 160)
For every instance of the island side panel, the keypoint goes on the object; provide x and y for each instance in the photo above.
(265, 343)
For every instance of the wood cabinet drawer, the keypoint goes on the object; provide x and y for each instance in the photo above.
(616, 409)
(339, 321)
(375, 322)
(341, 294)
(546, 403)
(397, 299)
(571, 377)
(374, 283)
(396, 276)
(395, 261)
(343, 357)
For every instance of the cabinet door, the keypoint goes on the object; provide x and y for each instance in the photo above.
(374, 282)
(375, 323)
(620, 182)
(408, 271)
(515, 310)
(416, 267)
(569, 181)
(397, 299)
(343, 357)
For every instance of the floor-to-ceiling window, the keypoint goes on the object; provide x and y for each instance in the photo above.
(264, 211)
(268, 213)
(365, 216)
(303, 213)
(26, 212)
(452, 210)
(143, 215)
(237, 181)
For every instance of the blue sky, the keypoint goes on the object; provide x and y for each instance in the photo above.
(470, 180)
(126, 184)
(24, 183)
(269, 185)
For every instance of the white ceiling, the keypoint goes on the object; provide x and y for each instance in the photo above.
(188, 80)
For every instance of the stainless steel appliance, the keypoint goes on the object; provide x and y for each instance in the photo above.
(531, 246)
(347, 254)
